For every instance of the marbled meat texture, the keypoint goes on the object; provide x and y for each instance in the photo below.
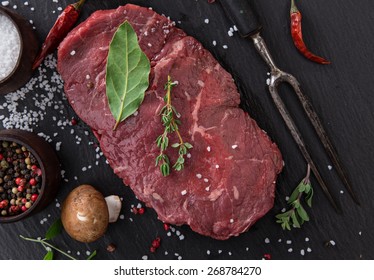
(229, 178)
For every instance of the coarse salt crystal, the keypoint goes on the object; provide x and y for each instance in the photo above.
(188, 155)
(332, 242)
(208, 252)
(309, 250)
(231, 221)
(302, 252)
(329, 167)
(217, 166)
(290, 250)
(225, 47)
(268, 82)
(184, 192)
(72, 52)
(267, 240)
(207, 188)
(208, 149)
(234, 147)
(306, 239)
(5, 3)
(199, 176)
(206, 20)
(206, 180)
(288, 242)
(214, 43)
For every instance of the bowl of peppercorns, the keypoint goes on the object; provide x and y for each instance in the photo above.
(30, 174)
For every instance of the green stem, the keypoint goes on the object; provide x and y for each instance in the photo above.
(78, 5)
(43, 242)
(294, 8)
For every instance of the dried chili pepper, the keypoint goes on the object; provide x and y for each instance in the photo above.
(60, 29)
(297, 36)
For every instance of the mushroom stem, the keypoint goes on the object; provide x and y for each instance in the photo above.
(114, 207)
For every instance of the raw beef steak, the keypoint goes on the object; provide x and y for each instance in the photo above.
(228, 182)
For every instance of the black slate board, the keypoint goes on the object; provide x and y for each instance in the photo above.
(340, 92)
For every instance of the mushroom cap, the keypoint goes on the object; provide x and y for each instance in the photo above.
(84, 214)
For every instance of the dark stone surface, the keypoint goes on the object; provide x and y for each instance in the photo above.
(340, 92)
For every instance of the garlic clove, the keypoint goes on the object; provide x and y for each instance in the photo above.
(114, 207)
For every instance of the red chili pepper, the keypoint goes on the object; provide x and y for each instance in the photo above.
(60, 29)
(297, 36)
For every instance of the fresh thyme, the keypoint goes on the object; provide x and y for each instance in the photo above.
(54, 230)
(171, 125)
(297, 215)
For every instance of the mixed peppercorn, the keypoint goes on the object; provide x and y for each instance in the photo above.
(20, 178)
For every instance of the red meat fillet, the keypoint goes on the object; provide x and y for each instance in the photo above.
(229, 178)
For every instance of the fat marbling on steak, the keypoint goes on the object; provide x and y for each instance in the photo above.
(228, 182)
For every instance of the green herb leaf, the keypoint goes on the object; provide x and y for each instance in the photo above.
(309, 197)
(127, 73)
(93, 254)
(48, 256)
(54, 230)
(302, 213)
(297, 215)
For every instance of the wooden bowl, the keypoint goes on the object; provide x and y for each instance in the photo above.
(48, 163)
(22, 72)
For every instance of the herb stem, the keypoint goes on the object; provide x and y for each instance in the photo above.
(44, 243)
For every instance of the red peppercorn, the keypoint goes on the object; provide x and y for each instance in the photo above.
(267, 256)
(23, 200)
(20, 188)
(156, 243)
(74, 121)
(34, 197)
(152, 249)
(23, 208)
(34, 167)
(33, 182)
(141, 210)
(166, 226)
(18, 181)
(1, 157)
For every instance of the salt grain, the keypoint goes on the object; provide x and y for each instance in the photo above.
(10, 45)
(267, 240)
(208, 149)
(309, 250)
(145, 257)
(5, 3)
(302, 252)
(290, 250)
(329, 167)
(234, 147)
(217, 166)
(199, 176)
(72, 52)
(184, 192)
(225, 47)
(206, 20)
(206, 180)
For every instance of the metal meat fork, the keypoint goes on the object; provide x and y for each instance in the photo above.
(246, 21)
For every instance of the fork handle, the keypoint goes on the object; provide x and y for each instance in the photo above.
(242, 14)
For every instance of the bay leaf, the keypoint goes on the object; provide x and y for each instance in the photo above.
(127, 73)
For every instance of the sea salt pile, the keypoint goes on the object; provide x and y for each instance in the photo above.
(10, 46)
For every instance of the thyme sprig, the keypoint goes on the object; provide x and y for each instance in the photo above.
(297, 215)
(171, 125)
(54, 230)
